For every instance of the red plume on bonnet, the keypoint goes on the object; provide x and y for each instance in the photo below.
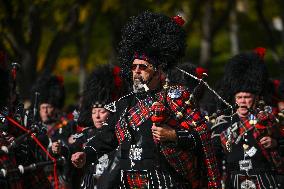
(260, 51)
(200, 71)
(179, 20)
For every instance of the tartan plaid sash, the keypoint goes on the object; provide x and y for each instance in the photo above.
(134, 117)
(141, 112)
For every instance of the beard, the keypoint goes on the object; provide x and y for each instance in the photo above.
(138, 84)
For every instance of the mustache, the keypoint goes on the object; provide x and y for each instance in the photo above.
(138, 79)
(138, 84)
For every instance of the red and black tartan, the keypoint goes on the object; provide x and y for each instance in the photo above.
(137, 180)
(266, 125)
(182, 161)
(188, 121)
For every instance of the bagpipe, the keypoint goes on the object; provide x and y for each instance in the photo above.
(23, 169)
(83, 136)
(264, 120)
(261, 115)
(159, 110)
(20, 128)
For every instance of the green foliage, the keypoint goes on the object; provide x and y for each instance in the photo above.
(72, 18)
(101, 45)
(71, 88)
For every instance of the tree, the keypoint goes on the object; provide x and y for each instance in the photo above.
(23, 26)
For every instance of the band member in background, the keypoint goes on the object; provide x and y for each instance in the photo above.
(99, 91)
(7, 161)
(54, 127)
(16, 153)
(247, 140)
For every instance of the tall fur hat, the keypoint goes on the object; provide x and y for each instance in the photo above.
(153, 37)
(245, 72)
(51, 91)
(103, 86)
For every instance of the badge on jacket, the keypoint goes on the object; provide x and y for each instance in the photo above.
(174, 93)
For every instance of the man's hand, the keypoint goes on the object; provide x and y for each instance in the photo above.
(56, 147)
(71, 140)
(268, 142)
(78, 159)
(164, 133)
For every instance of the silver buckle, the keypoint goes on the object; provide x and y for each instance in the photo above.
(248, 184)
(135, 153)
(251, 152)
(245, 165)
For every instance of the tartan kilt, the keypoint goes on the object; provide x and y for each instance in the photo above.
(150, 179)
(136, 180)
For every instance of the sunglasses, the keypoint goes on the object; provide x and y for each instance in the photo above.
(140, 66)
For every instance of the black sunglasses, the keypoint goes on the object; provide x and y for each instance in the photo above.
(140, 66)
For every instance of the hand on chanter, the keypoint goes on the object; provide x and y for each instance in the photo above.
(71, 140)
(268, 142)
(164, 133)
(78, 159)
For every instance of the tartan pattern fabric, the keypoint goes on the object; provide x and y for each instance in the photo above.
(137, 180)
(140, 113)
(184, 163)
(265, 126)
(192, 120)
(137, 115)
(224, 137)
(209, 155)
(121, 131)
(150, 179)
(181, 160)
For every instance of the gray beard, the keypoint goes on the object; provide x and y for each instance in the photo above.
(139, 86)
